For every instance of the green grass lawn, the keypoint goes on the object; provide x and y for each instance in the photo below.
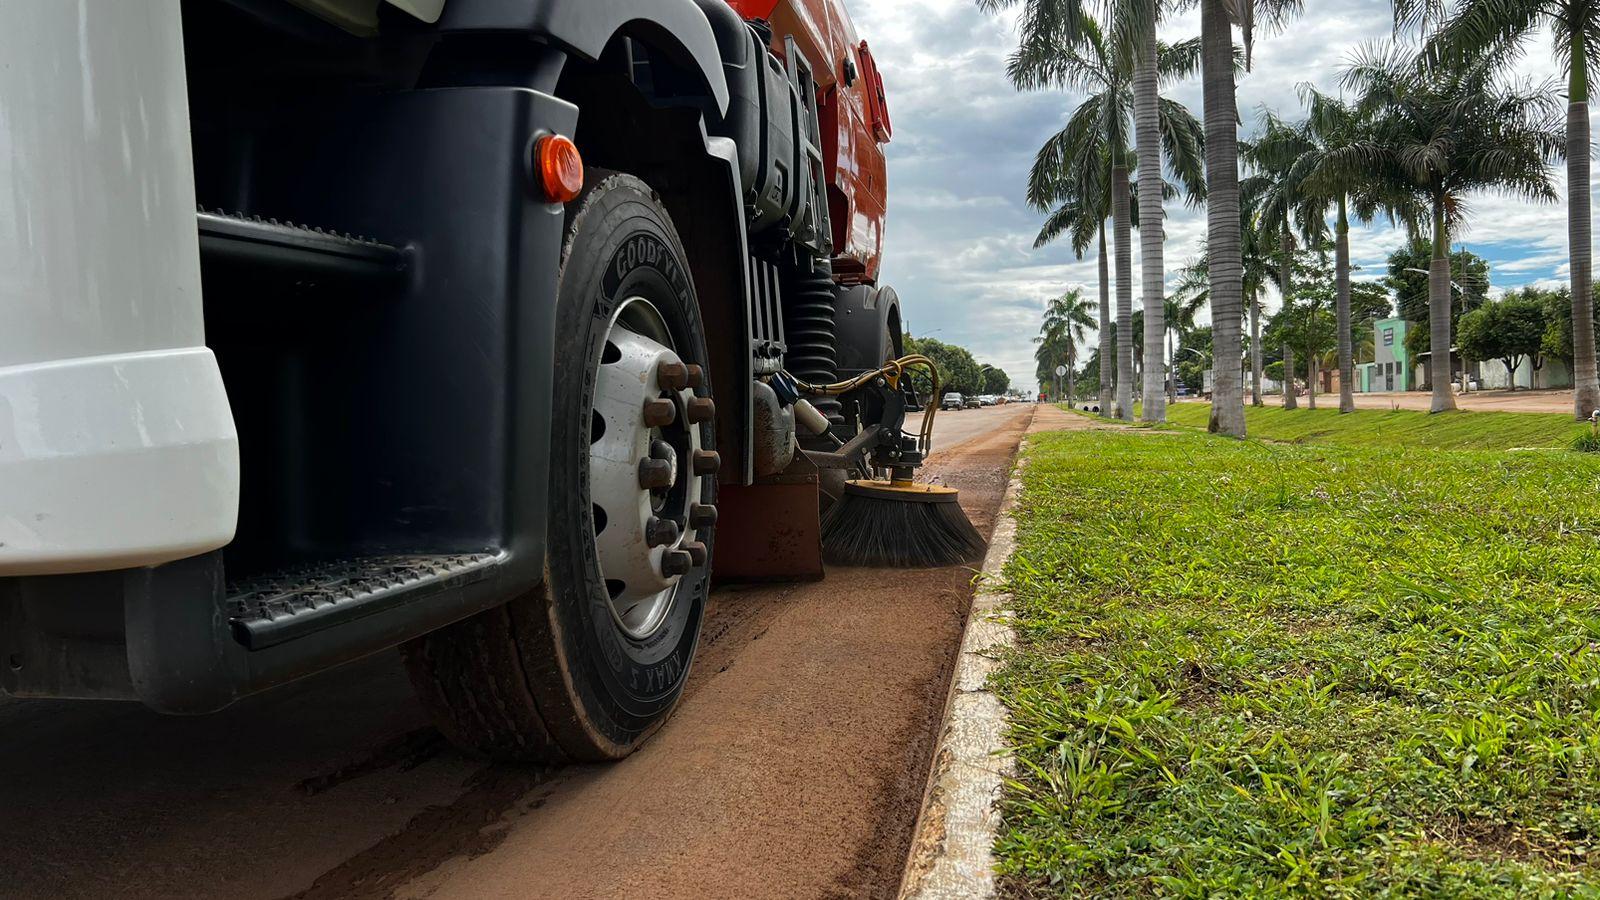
(1375, 427)
(1277, 669)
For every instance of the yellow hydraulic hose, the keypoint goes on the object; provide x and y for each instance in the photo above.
(892, 371)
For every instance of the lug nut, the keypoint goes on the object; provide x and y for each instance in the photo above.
(701, 409)
(706, 462)
(672, 376)
(676, 562)
(655, 474)
(702, 516)
(697, 376)
(661, 532)
(697, 552)
(659, 413)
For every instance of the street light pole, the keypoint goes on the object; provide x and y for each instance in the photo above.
(1198, 355)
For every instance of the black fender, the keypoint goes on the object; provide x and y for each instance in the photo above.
(704, 194)
(867, 319)
(678, 28)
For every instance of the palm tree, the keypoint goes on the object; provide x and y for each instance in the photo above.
(1152, 233)
(1305, 327)
(1256, 262)
(1499, 29)
(1067, 320)
(1276, 190)
(1084, 194)
(1067, 168)
(1439, 136)
(1194, 284)
(1223, 246)
(1295, 187)
(1180, 318)
(1084, 222)
(1048, 26)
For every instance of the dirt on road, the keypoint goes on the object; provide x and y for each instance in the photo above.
(794, 767)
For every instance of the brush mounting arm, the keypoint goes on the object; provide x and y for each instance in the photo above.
(851, 453)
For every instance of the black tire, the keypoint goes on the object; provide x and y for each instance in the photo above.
(550, 676)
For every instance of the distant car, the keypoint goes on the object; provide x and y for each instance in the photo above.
(971, 403)
(952, 400)
(985, 399)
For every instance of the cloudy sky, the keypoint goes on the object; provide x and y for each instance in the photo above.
(959, 246)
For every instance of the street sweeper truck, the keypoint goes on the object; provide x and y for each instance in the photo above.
(492, 330)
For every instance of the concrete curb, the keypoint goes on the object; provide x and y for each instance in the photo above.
(952, 848)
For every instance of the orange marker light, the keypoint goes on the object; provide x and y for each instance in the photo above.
(560, 167)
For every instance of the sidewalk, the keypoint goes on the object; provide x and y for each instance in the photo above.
(1049, 417)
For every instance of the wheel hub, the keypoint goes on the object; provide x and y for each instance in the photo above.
(644, 442)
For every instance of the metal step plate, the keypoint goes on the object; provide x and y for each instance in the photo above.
(306, 254)
(280, 606)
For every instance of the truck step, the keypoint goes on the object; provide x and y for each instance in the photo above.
(280, 606)
(303, 253)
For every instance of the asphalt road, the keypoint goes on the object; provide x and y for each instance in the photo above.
(793, 767)
(953, 427)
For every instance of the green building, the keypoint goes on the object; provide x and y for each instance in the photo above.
(1391, 369)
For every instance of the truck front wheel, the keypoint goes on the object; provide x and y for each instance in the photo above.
(591, 662)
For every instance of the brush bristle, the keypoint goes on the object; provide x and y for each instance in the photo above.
(871, 531)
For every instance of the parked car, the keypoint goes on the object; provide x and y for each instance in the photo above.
(972, 403)
(952, 400)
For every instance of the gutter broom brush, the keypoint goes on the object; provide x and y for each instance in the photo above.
(900, 524)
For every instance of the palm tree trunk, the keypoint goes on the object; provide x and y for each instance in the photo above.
(1444, 398)
(1586, 389)
(1169, 378)
(1124, 258)
(1341, 257)
(1290, 401)
(1222, 217)
(1285, 282)
(1311, 381)
(1255, 352)
(1107, 367)
(1152, 234)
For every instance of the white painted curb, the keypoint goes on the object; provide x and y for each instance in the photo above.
(952, 849)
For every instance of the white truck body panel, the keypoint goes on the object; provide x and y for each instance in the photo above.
(117, 445)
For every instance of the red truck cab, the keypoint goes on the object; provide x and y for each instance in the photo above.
(855, 123)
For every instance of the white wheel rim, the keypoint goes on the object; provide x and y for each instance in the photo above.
(637, 344)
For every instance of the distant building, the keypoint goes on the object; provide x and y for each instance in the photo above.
(1491, 374)
(1391, 367)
